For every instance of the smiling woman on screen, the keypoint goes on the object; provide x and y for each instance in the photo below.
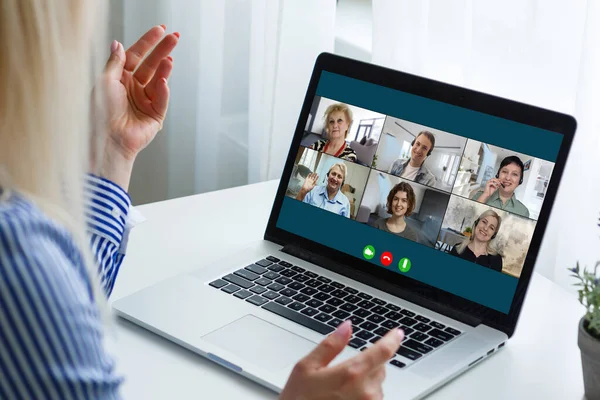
(338, 120)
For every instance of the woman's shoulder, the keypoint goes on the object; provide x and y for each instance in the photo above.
(318, 145)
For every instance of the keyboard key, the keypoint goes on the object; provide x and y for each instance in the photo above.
(407, 330)
(271, 275)
(341, 314)
(437, 325)
(283, 280)
(422, 327)
(327, 309)
(311, 274)
(374, 339)
(339, 293)
(361, 312)
(323, 279)
(335, 322)
(323, 317)
(394, 315)
(379, 310)
(351, 290)
(283, 300)
(375, 318)
(258, 289)
(381, 331)
(264, 263)
(397, 363)
(288, 292)
(434, 342)
(219, 283)
(321, 296)
(390, 324)
(276, 287)
(422, 319)
(365, 296)
(326, 288)
(242, 294)
(298, 269)
(379, 302)
(309, 311)
(452, 331)
(299, 318)
(418, 336)
(334, 301)
(436, 333)
(285, 263)
(408, 353)
(393, 307)
(337, 285)
(274, 259)
(420, 347)
(313, 283)
(230, 289)
(271, 295)
(308, 291)
(296, 306)
(257, 269)
(296, 286)
(288, 273)
(238, 281)
(366, 304)
(276, 268)
(356, 320)
(368, 326)
(257, 300)
(356, 343)
(352, 299)
(364, 335)
(408, 313)
(263, 282)
(301, 297)
(407, 321)
(300, 278)
(348, 307)
(314, 303)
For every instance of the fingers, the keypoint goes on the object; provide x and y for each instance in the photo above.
(136, 53)
(382, 350)
(164, 71)
(160, 103)
(116, 61)
(149, 67)
(329, 348)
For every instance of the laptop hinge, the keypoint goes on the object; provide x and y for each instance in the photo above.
(380, 284)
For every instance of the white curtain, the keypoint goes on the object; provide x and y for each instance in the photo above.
(241, 72)
(545, 53)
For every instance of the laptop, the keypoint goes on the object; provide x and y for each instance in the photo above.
(403, 202)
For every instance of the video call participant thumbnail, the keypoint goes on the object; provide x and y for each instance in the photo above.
(413, 168)
(338, 119)
(499, 192)
(329, 197)
(478, 248)
(400, 203)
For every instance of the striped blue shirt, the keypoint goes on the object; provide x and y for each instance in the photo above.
(51, 333)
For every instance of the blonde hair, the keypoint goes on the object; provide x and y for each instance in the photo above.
(338, 107)
(342, 168)
(46, 70)
(460, 248)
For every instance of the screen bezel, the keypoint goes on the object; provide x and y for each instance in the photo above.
(454, 95)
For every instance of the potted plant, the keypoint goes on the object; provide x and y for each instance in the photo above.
(468, 231)
(589, 329)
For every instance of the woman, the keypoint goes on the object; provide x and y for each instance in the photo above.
(338, 119)
(328, 197)
(52, 299)
(478, 247)
(400, 203)
(499, 192)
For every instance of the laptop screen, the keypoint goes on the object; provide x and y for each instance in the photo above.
(442, 194)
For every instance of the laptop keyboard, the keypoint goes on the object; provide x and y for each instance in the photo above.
(320, 304)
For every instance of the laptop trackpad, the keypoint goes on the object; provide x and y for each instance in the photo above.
(261, 342)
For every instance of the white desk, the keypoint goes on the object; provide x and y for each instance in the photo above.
(541, 361)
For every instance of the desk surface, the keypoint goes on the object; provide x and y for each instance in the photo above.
(541, 361)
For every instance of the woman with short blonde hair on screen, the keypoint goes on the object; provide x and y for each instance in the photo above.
(338, 120)
(479, 247)
(62, 227)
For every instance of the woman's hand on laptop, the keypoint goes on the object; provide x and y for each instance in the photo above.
(357, 378)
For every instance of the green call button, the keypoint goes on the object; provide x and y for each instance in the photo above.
(369, 252)
(404, 265)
